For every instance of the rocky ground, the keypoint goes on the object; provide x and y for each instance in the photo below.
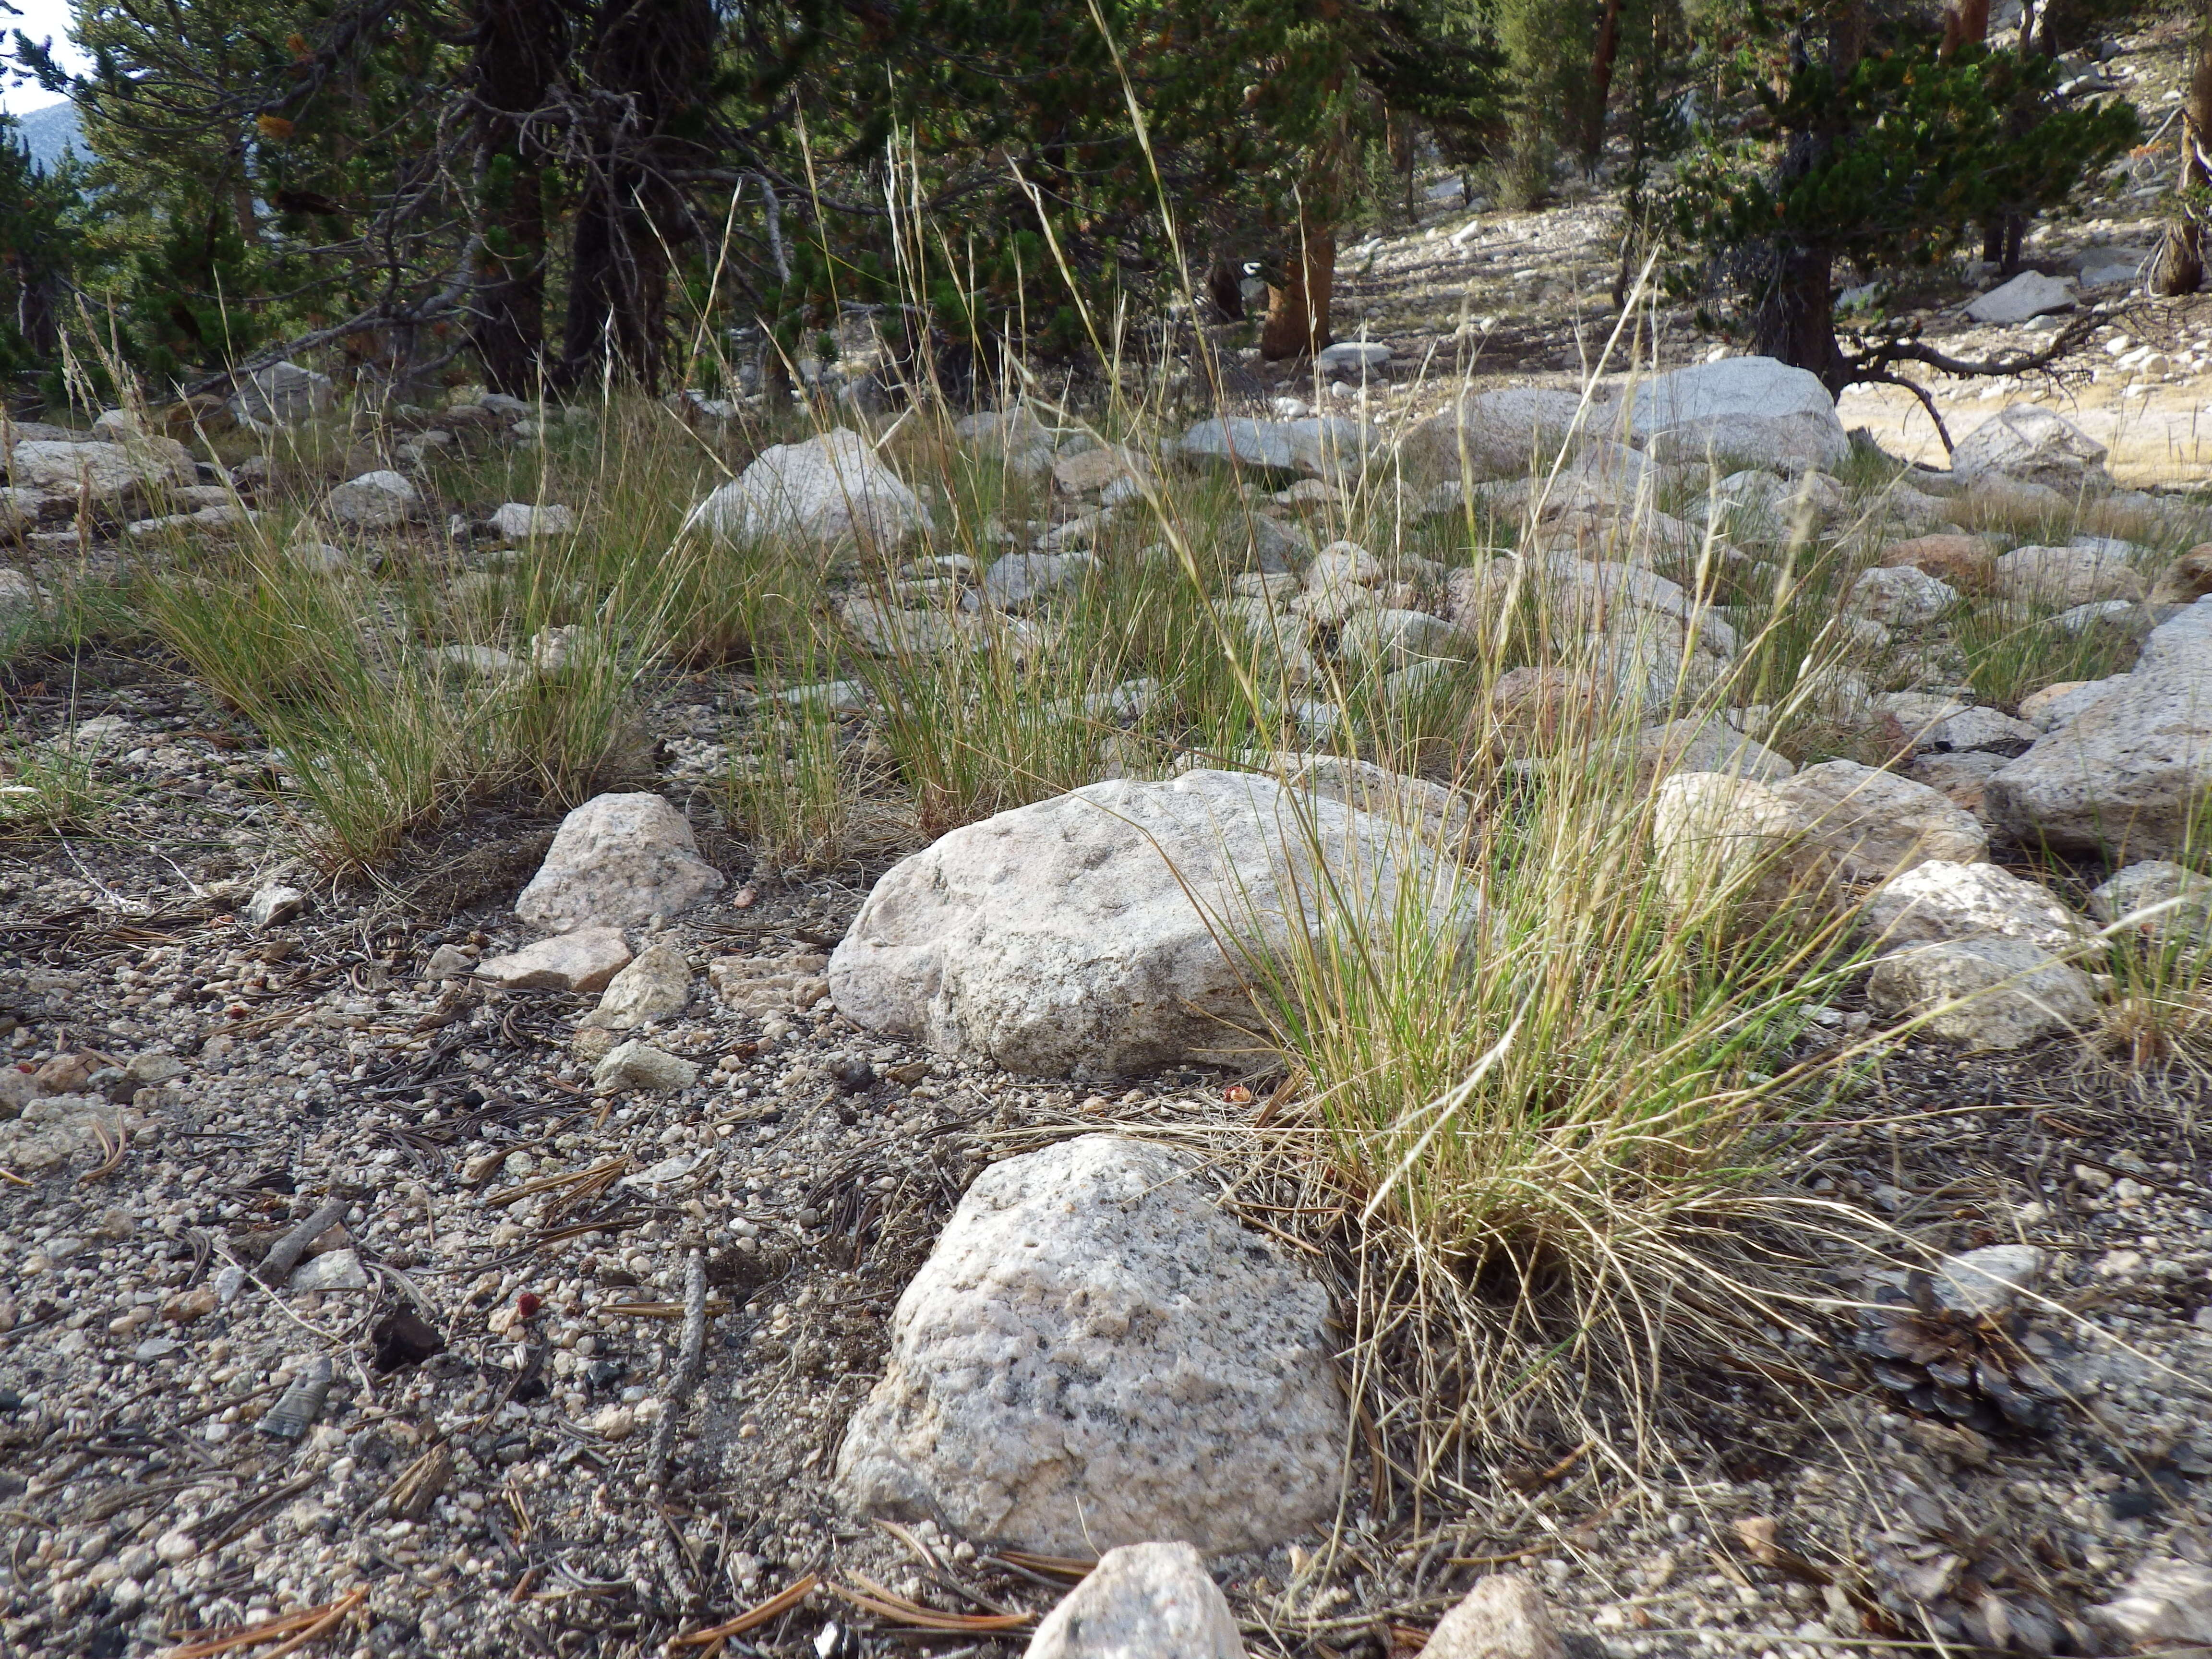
(375, 1274)
(499, 1304)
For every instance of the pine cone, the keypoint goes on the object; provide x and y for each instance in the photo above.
(1970, 1368)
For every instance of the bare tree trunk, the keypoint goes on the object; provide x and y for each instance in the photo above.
(519, 49)
(2181, 260)
(1297, 313)
(649, 59)
(1602, 59)
(1966, 23)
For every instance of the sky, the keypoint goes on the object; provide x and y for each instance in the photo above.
(41, 19)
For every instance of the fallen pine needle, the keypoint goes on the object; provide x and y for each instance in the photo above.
(888, 1604)
(309, 1622)
(783, 1601)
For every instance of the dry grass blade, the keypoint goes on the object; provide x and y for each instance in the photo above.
(1054, 1566)
(304, 1626)
(574, 1185)
(889, 1604)
(111, 1153)
(659, 1310)
(753, 1617)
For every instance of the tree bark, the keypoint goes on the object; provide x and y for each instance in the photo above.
(1297, 325)
(1603, 56)
(2181, 260)
(1794, 320)
(520, 47)
(649, 59)
(1966, 23)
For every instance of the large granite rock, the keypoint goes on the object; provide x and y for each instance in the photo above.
(1493, 435)
(1940, 900)
(1095, 1355)
(618, 860)
(1753, 408)
(1141, 1601)
(830, 491)
(2128, 774)
(1983, 993)
(2031, 294)
(1875, 825)
(1321, 446)
(2032, 445)
(1105, 933)
(107, 474)
(374, 501)
(283, 394)
(2067, 575)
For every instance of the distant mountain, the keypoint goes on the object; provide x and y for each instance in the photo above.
(51, 133)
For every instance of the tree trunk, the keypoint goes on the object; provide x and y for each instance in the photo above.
(1297, 313)
(1796, 320)
(1966, 23)
(2181, 260)
(1602, 59)
(649, 59)
(520, 47)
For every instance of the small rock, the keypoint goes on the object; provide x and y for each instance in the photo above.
(1987, 1281)
(1504, 1616)
(612, 1422)
(151, 1068)
(585, 960)
(153, 1348)
(334, 1270)
(656, 985)
(518, 521)
(2168, 1600)
(1091, 1330)
(176, 1546)
(616, 860)
(186, 1306)
(271, 905)
(374, 501)
(449, 962)
(636, 1065)
(64, 1074)
(1141, 1601)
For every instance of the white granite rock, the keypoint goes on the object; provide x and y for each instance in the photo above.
(1141, 1601)
(374, 501)
(1944, 900)
(2031, 294)
(830, 491)
(1983, 993)
(582, 959)
(1096, 1355)
(1104, 933)
(2030, 445)
(1755, 409)
(616, 859)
